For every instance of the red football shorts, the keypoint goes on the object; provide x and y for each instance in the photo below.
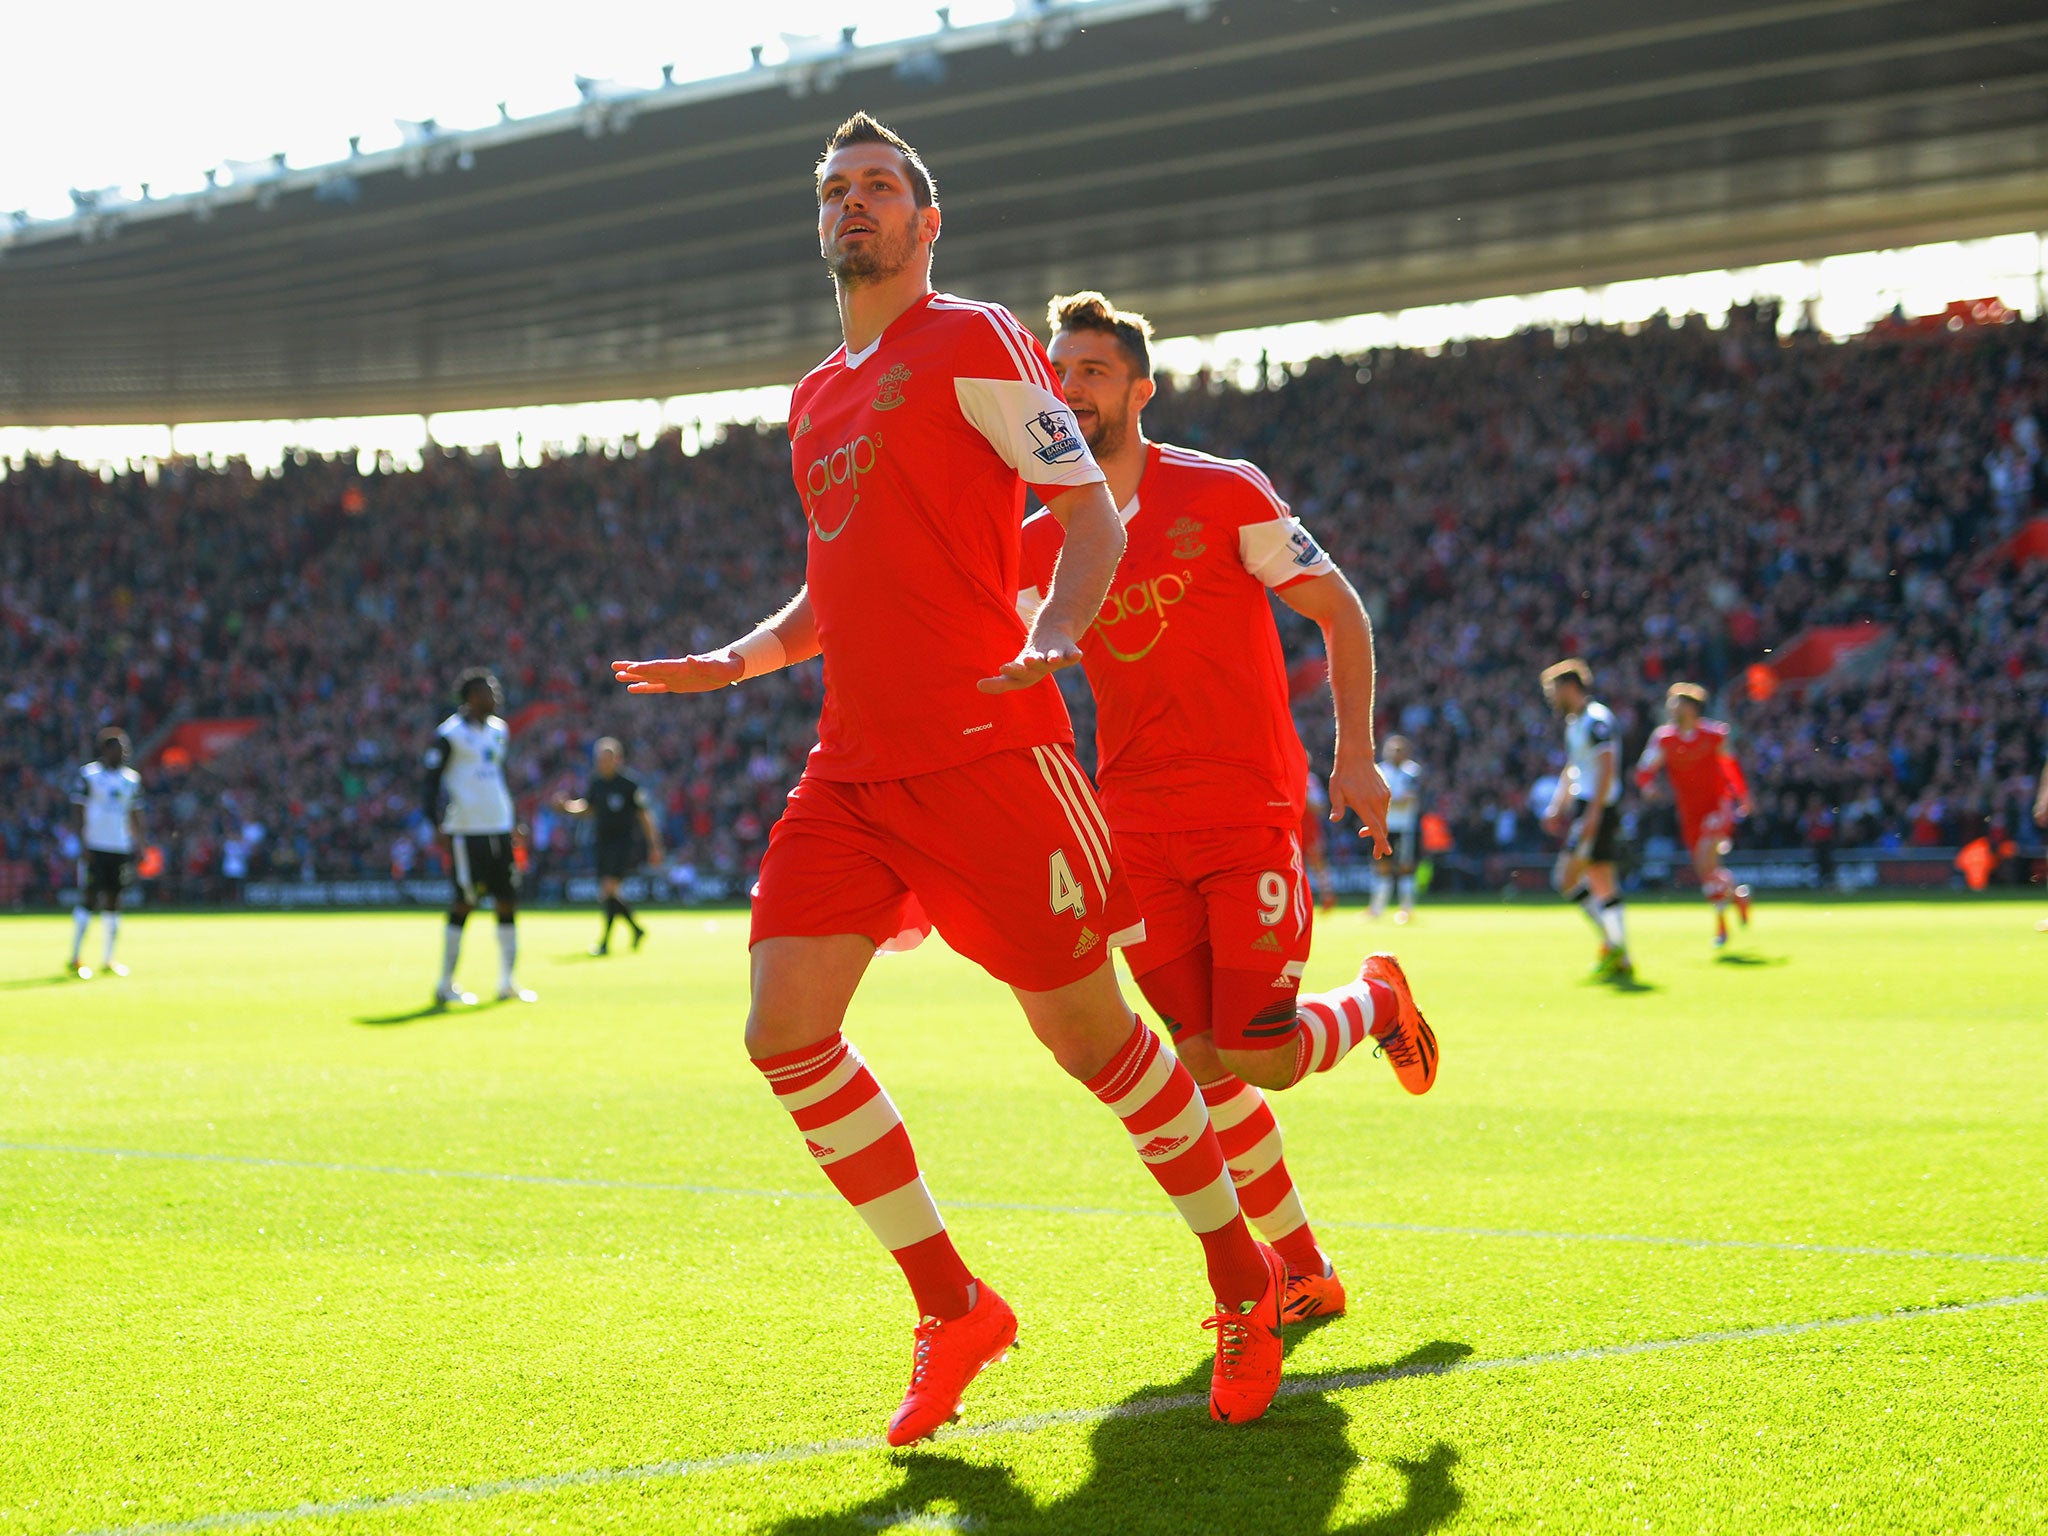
(1695, 822)
(1007, 856)
(1241, 895)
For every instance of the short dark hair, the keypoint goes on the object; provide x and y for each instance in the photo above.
(1571, 667)
(1090, 311)
(110, 733)
(476, 677)
(862, 129)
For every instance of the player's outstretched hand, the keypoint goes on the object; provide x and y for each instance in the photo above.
(679, 674)
(1360, 787)
(1043, 655)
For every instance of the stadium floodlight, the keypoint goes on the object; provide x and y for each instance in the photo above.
(945, 15)
(755, 50)
(504, 113)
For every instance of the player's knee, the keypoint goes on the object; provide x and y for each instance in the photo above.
(1198, 1054)
(1271, 1067)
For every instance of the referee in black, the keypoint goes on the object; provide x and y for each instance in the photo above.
(618, 805)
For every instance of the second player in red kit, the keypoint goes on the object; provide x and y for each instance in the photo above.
(943, 790)
(1203, 775)
(1711, 793)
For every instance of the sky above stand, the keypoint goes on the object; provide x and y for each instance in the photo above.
(117, 96)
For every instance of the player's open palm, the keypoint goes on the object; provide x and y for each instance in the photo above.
(1359, 788)
(679, 674)
(1043, 655)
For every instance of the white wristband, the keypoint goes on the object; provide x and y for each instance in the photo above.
(762, 651)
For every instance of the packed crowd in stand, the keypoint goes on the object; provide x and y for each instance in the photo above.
(1672, 502)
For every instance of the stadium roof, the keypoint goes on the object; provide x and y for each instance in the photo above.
(1219, 163)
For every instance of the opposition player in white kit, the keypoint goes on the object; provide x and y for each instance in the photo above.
(108, 794)
(468, 802)
(1591, 788)
(1404, 830)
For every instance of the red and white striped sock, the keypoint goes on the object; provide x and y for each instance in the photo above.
(1251, 1142)
(1334, 1023)
(1153, 1094)
(858, 1138)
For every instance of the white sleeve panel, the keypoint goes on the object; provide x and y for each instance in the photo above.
(1029, 601)
(1280, 550)
(1031, 428)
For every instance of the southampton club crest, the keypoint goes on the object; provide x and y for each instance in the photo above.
(1186, 534)
(890, 395)
(1055, 439)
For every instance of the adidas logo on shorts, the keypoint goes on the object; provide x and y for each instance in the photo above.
(1088, 940)
(1267, 940)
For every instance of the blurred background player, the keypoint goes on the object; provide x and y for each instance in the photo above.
(1404, 830)
(1708, 785)
(108, 794)
(2041, 820)
(1590, 789)
(467, 800)
(943, 791)
(1203, 772)
(626, 834)
(1315, 844)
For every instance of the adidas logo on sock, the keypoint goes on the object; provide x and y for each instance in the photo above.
(821, 1153)
(1239, 1175)
(1161, 1146)
(1088, 940)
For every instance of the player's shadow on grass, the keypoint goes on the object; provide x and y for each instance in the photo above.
(23, 983)
(410, 1016)
(1727, 957)
(1163, 1469)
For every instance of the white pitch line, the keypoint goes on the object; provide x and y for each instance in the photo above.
(714, 1191)
(1335, 1381)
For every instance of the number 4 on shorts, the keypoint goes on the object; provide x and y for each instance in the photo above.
(1067, 895)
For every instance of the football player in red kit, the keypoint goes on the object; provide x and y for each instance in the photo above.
(1203, 774)
(1708, 784)
(943, 790)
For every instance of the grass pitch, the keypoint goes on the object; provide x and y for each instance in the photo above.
(1762, 1246)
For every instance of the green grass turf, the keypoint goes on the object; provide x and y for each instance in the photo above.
(242, 1331)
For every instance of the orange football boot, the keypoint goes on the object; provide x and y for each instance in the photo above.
(1409, 1043)
(946, 1359)
(1312, 1295)
(1248, 1350)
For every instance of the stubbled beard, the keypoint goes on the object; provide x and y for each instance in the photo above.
(1108, 435)
(882, 257)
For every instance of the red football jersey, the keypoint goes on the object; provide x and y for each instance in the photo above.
(911, 461)
(1702, 774)
(1192, 727)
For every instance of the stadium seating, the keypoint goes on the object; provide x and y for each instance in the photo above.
(1672, 501)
